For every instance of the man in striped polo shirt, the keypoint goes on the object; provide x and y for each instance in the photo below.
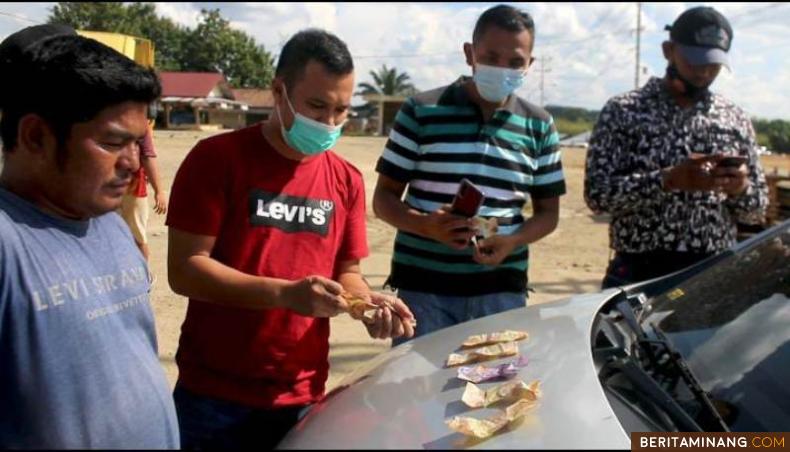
(478, 129)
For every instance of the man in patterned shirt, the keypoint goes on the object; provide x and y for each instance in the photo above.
(656, 161)
(476, 128)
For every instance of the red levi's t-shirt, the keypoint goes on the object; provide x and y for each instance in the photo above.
(273, 217)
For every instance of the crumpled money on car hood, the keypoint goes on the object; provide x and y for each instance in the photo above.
(484, 428)
(481, 373)
(483, 354)
(475, 397)
(478, 340)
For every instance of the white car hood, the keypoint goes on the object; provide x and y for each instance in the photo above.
(400, 399)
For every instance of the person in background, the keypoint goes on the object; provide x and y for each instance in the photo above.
(656, 161)
(134, 208)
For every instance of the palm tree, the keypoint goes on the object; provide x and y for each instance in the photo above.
(389, 82)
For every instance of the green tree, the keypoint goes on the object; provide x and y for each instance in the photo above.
(573, 114)
(99, 16)
(389, 82)
(569, 127)
(775, 134)
(763, 139)
(572, 120)
(168, 39)
(134, 19)
(214, 46)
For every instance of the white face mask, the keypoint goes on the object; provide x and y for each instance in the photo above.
(496, 83)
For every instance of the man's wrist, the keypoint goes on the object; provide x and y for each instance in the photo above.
(520, 238)
(419, 223)
(667, 182)
(744, 191)
(277, 291)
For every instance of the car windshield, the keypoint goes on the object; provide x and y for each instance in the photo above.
(731, 324)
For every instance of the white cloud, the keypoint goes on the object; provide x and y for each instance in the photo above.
(388, 32)
(591, 45)
(759, 95)
(272, 24)
(181, 13)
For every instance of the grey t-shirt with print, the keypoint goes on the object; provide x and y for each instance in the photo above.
(78, 353)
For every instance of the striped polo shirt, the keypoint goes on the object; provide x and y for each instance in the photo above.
(440, 137)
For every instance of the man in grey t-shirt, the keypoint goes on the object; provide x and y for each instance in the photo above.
(78, 352)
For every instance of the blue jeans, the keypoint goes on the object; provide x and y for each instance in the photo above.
(207, 423)
(434, 312)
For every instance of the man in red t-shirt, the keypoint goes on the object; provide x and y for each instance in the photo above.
(266, 231)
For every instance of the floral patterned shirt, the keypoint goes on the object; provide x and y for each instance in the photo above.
(641, 132)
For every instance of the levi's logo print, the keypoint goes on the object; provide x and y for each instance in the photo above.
(290, 213)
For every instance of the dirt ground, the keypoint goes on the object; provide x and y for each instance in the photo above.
(569, 261)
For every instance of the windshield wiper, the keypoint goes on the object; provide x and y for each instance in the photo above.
(647, 387)
(711, 418)
(626, 309)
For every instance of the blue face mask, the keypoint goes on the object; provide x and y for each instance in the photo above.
(496, 83)
(308, 136)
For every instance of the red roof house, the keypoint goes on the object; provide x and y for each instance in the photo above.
(194, 84)
(200, 100)
(260, 102)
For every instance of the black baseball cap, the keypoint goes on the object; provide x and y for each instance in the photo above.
(15, 44)
(703, 36)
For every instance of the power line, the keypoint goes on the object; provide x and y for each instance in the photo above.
(543, 70)
(772, 46)
(16, 16)
(752, 20)
(609, 67)
(576, 77)
(756, 11)
(414, 55)
(602, 19)
(576, 50)
(638, 36)
(541, 45)
(585, 39)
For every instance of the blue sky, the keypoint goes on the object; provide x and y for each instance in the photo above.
(589, 47)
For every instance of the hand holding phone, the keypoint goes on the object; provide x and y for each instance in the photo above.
(731, 161)
(731, 174)
(696, 173)
(466, 203)
(468, 199)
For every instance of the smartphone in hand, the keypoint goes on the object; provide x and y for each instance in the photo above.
(733, 161)
(468, 199)
(467, 202)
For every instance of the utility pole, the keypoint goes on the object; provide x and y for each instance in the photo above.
(543, 60)
(638, 33)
